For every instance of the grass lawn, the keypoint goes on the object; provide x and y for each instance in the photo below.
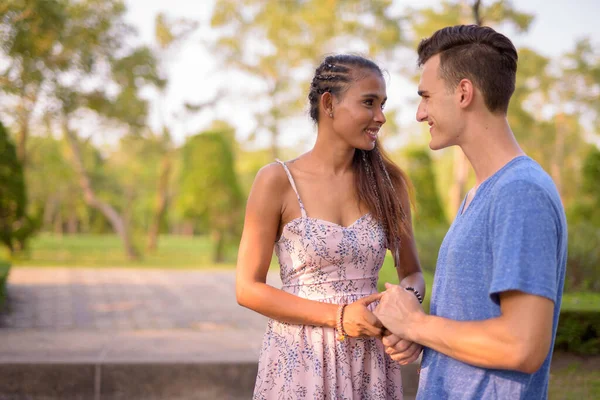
(581, 301)
(574, 378)
(106, 251)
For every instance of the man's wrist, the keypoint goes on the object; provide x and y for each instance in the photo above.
(417, 327)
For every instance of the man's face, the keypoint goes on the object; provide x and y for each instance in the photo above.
(438, 107)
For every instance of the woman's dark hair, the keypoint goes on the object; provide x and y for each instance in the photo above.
(380, 183)
(478, 53)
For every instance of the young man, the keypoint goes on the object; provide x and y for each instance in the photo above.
(500, 271)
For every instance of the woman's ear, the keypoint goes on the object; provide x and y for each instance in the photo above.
(327, 104)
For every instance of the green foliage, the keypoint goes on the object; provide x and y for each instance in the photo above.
(580, 301)
(12, 190)
(583, 272)
(209, 192)
(429, 211)
(591, 177)
(429, 241)
(4, 271)
(579, 332)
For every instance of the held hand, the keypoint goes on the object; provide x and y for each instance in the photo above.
(359, 321)
(398, 310)
(401, 350)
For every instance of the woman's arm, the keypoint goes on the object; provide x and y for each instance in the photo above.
(263, 216)
(409, 270)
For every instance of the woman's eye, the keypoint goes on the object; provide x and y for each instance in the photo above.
(369, 102)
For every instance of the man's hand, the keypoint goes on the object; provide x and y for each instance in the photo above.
(401, 350)
(398, 310)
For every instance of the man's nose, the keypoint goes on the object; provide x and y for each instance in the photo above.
(421, 113)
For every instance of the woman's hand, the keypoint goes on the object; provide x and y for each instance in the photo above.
(359, 321)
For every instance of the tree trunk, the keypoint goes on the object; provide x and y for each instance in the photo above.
(218, 239)
(558, 154)
(22, 142)
(274, 146)
(187, 229)
(477, 12)
(458, 189)
(72, 224)
(162, 195)
(116, 220)
(58, 224)
(50, 211)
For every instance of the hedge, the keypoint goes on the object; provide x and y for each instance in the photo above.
(4, 269)
(578, 332)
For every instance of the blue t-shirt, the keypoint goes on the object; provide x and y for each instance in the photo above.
(513, 236)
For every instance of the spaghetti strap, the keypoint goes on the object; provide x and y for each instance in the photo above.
(291, 179)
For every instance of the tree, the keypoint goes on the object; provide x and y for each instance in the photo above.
(276, 42)
(168, 34)
(86, 72)
(209, 191)
(29, 34)
(12, 190)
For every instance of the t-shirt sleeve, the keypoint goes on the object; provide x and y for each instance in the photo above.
(525, 229)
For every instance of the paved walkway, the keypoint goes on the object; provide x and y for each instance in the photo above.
(57, 314)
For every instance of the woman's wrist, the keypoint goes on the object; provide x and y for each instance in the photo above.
(341, 334)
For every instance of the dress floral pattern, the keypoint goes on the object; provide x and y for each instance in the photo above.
(327, 262)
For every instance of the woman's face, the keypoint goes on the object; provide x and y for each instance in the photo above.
(358, 115)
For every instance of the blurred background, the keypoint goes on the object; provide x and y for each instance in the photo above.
(131, 131)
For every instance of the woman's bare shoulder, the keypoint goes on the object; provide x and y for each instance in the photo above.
(271, 176)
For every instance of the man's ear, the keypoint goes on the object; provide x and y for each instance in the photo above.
(465, 92)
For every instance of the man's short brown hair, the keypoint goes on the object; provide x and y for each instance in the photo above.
(478, 53)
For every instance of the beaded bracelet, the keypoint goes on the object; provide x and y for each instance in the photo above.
(416, 293)
(342, 335)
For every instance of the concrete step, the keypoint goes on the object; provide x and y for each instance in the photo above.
(127, 381)
(146, 381)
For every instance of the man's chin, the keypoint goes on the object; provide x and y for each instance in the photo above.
(437, 145)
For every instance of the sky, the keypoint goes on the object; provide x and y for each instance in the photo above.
(195, 75)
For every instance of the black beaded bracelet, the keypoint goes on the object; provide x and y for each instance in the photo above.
(416, 293)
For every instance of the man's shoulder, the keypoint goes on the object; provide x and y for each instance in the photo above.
(525, 179)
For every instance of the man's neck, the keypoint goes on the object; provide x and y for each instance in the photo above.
(490, 148)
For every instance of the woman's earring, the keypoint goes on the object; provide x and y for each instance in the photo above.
(330, 115)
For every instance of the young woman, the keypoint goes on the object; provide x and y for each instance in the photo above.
(331, 214)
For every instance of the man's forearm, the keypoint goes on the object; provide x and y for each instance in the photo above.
(488, 344)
